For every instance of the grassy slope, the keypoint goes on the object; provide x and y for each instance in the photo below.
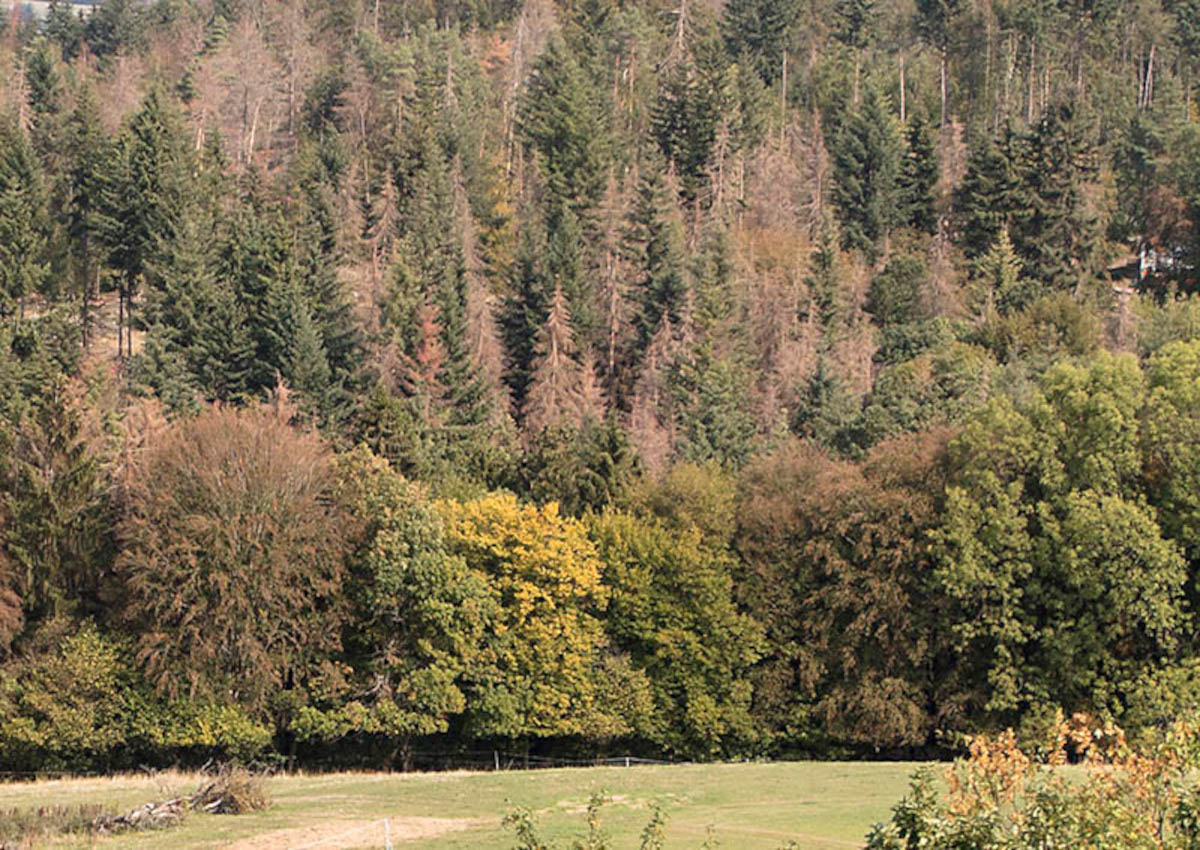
(817, 805)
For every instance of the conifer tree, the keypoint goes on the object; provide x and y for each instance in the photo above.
(855, 26)
(562, 390)
(657, 235)
(935, 23)
(1062, 238)
(144, 199)
(988, 197)
(866, 162)
(524, 310)
(918, 176)
(757, 31)
(90, 157)
(64, 28)
(24, 225)
(566, 123)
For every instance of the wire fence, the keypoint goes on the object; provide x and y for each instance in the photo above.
(420, 761)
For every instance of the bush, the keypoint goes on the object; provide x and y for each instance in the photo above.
(999, 797)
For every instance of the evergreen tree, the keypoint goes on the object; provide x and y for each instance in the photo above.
(989, 197)
(524, 310)
(919, 174)
(144, 199)
(64, 27)
(24, 223)
(565, 121)
(117, 26)
(935, 23)
(757, 32)
(1061, 240)
(657, 237)
(90, 158)
(866, 170)
(855, 26)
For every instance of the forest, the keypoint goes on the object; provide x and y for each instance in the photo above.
(675, 377)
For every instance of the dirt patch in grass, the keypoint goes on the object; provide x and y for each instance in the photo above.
(343, 834)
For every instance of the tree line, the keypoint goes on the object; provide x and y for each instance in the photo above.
(698, 379)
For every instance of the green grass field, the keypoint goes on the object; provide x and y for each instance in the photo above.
(815, 805)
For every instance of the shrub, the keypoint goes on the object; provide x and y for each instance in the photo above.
(999, 797)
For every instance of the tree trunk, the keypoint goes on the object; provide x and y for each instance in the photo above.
(903, 93)
(943, 63)
(120, 317)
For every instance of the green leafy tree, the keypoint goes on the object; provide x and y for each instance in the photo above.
(839, 575)
(1064, 588)
(672, 609)
(418, 616)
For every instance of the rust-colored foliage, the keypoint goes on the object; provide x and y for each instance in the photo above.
(231, 552)
(838, 572)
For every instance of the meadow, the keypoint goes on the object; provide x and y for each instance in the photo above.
(817, 806)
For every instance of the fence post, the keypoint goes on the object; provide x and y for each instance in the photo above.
(627, 761)
(387, 833)
(496, 756)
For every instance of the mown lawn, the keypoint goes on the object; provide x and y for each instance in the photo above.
(816, 805)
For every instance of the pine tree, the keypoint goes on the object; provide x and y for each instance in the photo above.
(24, 224)
(866, 170)
(919, 173)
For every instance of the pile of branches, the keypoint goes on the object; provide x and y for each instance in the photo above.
(233, 791)
(148, 816)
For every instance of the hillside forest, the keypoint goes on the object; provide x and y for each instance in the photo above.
(671, 377)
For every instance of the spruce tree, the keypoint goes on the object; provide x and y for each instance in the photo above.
(988, 197)
(562, 389)
(565, 121)
(866, 171)
(64, 27)
(524, 309)
(90, 161)
(658, 242)
(1061, 242)
(144, 199)
(24, 223)
(757, 32)
(918, 176)
(855, 26)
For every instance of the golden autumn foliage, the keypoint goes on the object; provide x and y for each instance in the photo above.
(544, 665)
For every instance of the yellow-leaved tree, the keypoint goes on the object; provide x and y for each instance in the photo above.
(546, 668)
